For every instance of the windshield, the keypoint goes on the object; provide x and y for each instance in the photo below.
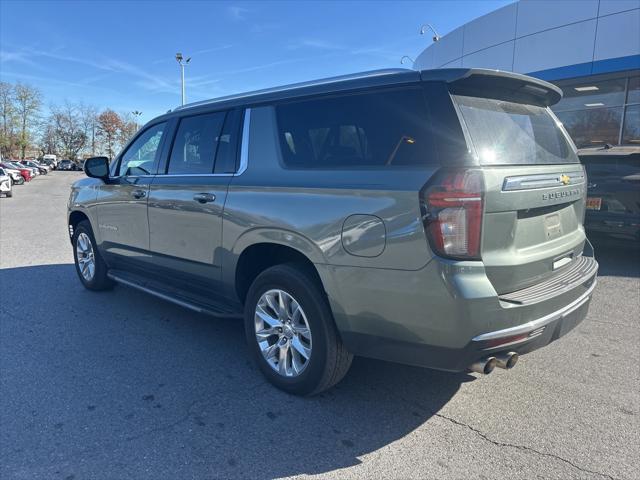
(509, 133)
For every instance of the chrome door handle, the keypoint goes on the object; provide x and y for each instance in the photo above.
(139, 194)
(204, 197)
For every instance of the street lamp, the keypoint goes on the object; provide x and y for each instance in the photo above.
(182, 65)
(436, 37)
(136, 114)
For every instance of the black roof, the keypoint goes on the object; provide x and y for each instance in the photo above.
(462, 79)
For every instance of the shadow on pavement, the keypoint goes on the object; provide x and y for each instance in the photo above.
(119, 384)
(617, 260)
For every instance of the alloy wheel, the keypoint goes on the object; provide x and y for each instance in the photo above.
(282, 332)
(85, 256)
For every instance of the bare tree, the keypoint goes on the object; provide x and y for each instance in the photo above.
(69, 129)
(28, 103)
(128, 128)
(109, 128)
(8, 119)
(89, 117)
(47, 141)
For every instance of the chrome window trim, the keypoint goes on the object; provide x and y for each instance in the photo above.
(244, 156)
(244, 146)
(545, 180)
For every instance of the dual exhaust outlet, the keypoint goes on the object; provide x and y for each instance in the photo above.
(488, 364)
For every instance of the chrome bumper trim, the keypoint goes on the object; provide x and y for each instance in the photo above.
(540, 322)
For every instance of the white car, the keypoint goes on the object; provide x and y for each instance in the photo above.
(5, 184)
(16, 177)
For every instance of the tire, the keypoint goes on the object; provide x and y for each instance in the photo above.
(9, 194)
(98, 280)
(20, 181)
(328, 361)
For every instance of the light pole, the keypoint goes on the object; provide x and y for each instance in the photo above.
(423, 28)
(136, 114)
(182, 65)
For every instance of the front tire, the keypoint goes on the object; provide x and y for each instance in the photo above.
(90, 266)
(291, 332)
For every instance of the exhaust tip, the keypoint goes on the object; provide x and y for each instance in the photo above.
(484, 366)
(507, 360)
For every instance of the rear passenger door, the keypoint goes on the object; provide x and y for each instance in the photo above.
(187, 198)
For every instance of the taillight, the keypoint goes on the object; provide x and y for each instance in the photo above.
(453, 204)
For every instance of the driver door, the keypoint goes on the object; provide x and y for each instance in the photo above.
(123, 228)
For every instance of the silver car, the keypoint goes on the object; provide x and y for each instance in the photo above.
(431, 218)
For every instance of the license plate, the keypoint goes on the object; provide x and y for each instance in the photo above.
(594, 203)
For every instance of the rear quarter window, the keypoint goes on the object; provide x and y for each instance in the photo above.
(382, 129)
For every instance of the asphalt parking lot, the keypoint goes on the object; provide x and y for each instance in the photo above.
(119, 385)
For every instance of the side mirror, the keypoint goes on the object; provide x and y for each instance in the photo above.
(97, 167)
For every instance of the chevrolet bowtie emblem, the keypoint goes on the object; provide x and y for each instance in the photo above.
(565, 179)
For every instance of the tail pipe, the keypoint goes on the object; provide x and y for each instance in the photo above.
(484, 365)
(506, 360)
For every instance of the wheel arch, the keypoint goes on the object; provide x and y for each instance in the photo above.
(257, 257)
(75, 217)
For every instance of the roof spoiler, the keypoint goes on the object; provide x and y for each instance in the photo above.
(496, 84)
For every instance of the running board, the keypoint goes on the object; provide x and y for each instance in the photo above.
(197, 304)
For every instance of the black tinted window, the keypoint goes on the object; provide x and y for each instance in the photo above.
(384, 128)
(195, 144)
(228, 143)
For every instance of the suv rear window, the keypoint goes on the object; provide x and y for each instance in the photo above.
(509, 133)
(373, 129)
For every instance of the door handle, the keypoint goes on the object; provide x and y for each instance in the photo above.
(204, 197)
(138, 194)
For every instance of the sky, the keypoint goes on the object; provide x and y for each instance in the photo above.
(121, 54)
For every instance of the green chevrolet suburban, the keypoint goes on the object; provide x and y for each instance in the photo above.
(433, 218)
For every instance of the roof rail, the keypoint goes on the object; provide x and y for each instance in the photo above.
(284, 88)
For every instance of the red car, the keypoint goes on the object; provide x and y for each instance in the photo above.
(26, 174)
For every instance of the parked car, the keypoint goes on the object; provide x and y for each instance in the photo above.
(48, 162)
(6, 185)
(32, 170)
(25, 172)
(14, 174)
(345, 217)
(613, 195)
(42, 169)
(50, 158)
(67, 165)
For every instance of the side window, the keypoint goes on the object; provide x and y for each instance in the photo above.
(141, 157)
(384, 128)
(228, 143)
(194, 148)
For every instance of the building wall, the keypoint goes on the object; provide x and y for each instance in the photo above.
(549, 39)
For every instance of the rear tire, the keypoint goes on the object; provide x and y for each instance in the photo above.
(90, 266)
(328, 360)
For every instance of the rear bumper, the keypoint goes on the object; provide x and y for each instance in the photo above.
(425, 321)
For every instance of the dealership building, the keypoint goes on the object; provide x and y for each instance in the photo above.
(589, 48)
